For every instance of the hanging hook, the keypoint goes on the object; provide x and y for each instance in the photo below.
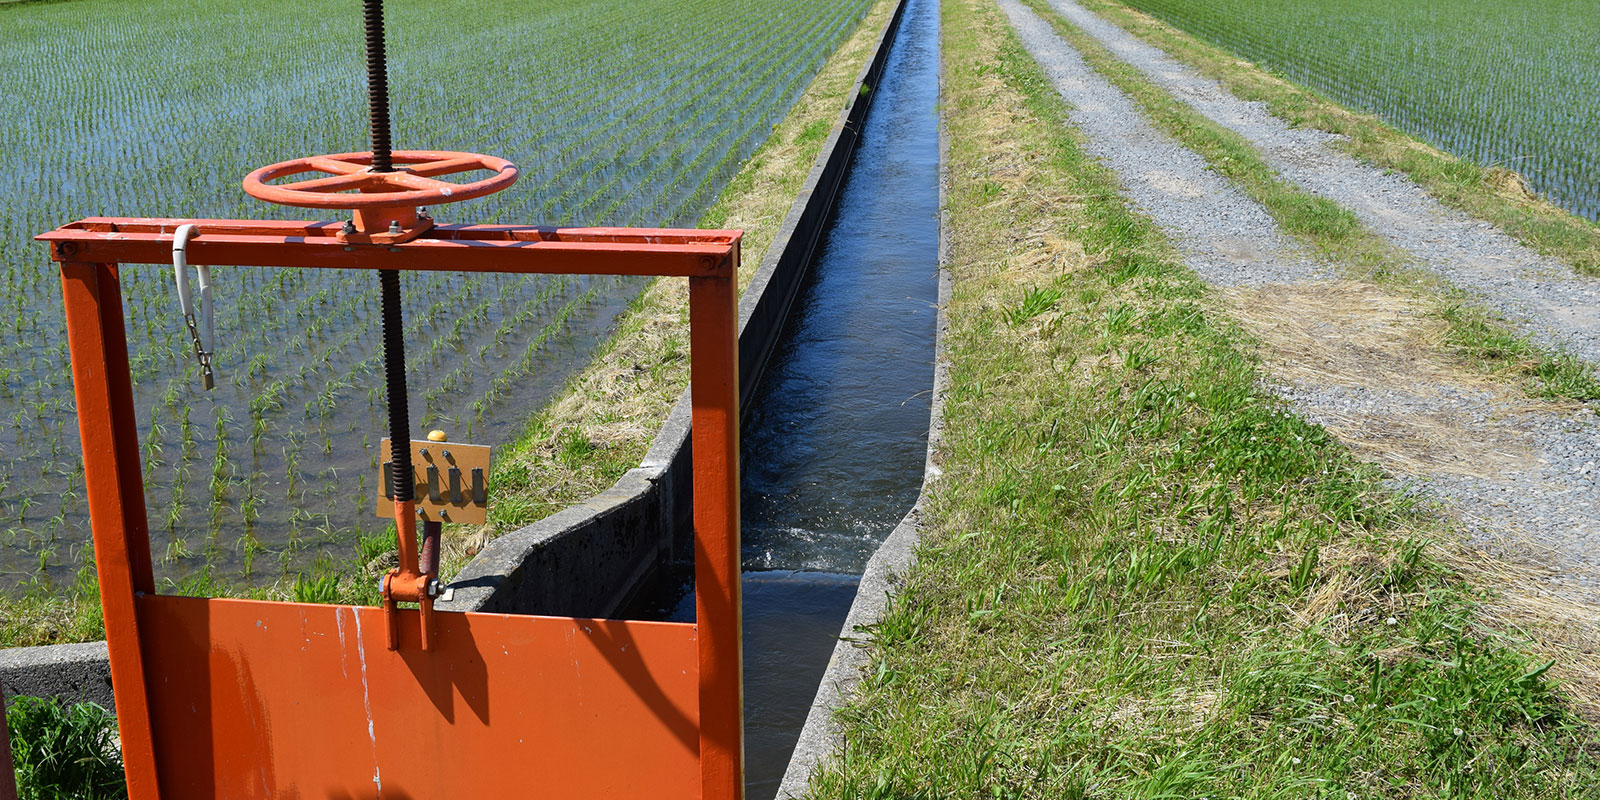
(180, 273)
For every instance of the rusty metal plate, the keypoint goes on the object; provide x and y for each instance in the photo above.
(252, 699)
(451, 480)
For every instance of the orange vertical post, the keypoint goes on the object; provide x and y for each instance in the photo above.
(714, 384)
(115, 489)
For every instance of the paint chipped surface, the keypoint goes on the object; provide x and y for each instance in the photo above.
(344, 648)
(366, 702)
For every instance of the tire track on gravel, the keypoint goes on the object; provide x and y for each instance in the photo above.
(1350, 356)
(1542, 295)
(1228, 238)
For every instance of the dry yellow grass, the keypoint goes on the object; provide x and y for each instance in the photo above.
(1551, 623)
(1350, 334)
(1357, 334)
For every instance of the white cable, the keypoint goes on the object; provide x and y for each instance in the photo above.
(180, 267)
(180, 275)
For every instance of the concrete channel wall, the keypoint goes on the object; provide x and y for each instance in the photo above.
(591, 558)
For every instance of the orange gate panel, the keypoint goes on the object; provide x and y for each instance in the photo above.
(313, 704)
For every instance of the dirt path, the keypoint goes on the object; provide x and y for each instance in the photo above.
(1360, 359)
(1542, 295)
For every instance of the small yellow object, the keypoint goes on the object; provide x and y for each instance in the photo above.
(436, 436)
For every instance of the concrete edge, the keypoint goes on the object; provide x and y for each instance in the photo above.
(820, 738)
(592, 557)
(75, 672)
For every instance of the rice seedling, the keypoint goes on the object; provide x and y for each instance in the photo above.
(1506, 83)
(613, 117)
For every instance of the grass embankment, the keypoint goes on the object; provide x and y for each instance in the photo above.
(598, 427)
(1494, 194)
(1472, 333)
(1139, 577)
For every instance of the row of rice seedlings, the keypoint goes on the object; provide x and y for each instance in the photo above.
(463, 376)
(661, 122)
(250, 490)
(1500, 82)
(296, 345)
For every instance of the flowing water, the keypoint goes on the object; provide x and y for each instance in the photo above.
(834, 440)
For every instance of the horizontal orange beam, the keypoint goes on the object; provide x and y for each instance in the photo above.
(663, 252)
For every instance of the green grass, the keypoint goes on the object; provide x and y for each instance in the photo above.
(1333, 233)
(1484, 192)
(42, 612)
(1492, 346)
(37, 616)
(1140, 577)
(815, 132)
(64, 751)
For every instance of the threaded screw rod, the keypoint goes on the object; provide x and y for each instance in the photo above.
(377, 87)
(394, 345)
(394, 373)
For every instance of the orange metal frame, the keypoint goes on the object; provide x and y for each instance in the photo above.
(239, 698)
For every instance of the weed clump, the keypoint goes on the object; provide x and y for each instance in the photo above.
(64, 751)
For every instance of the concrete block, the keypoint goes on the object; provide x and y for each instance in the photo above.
(73, 672)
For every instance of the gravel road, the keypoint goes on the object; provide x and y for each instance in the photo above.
(1542, 503)
(1228, 238)
(1543, 296)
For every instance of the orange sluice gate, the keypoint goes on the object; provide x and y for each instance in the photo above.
(277, 699)
(245, 699)
(224, 698)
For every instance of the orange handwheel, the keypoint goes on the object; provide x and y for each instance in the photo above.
(411, 185)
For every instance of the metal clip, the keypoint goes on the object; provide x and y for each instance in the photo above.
(180, 273)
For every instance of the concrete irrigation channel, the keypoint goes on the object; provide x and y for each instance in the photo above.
(836, 433)
(837, 350)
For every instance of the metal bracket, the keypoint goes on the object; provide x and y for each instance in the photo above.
(451, 480)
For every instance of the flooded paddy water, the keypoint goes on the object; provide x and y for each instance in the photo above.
(612, 117)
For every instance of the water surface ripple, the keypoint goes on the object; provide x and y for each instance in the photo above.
(835, 438)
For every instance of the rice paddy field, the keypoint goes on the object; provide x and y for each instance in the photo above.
(1501, 82)
(617, 113)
